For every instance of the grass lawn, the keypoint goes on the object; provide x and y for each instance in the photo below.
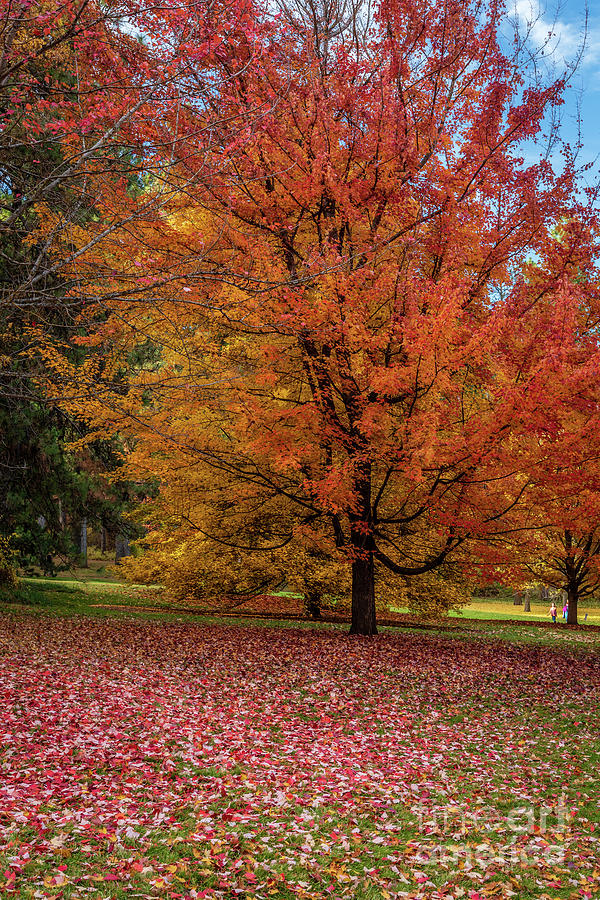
(491, 608)
(96, 592)
(161, 754)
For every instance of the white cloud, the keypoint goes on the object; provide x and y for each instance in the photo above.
(558, 40)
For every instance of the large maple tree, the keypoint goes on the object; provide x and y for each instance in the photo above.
(358, 286)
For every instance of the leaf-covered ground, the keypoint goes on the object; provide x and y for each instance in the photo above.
(152, 759)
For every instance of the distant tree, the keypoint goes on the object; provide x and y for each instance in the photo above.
(570, 562)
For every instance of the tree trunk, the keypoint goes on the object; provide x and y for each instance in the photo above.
(103, 541)
(121, 548)
(363, 564)
(572, 581)
(83, 547)
(313, 605)
(363, 595)
(527, 607)
(573, 595)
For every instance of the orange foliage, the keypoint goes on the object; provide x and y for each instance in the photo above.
(367, 329)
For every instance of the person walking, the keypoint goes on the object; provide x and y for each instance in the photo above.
(553, 611)
(566, 610)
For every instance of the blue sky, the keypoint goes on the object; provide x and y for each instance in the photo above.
(559, 28)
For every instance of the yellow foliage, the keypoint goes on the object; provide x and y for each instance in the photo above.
(434, 594)
(430, 596)
(194, 569)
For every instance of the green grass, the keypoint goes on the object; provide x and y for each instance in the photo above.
(492, 608)
(485, 619)
(91, 598)
(99, 580)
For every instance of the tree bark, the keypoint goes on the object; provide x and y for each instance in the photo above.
(363, 563)
(121, 548)
(313, 605)
(527, 607)
(573, 595)
(83, 546)
(363, 595)
(572, 582)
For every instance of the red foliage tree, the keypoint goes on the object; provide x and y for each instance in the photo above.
(376, 293)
